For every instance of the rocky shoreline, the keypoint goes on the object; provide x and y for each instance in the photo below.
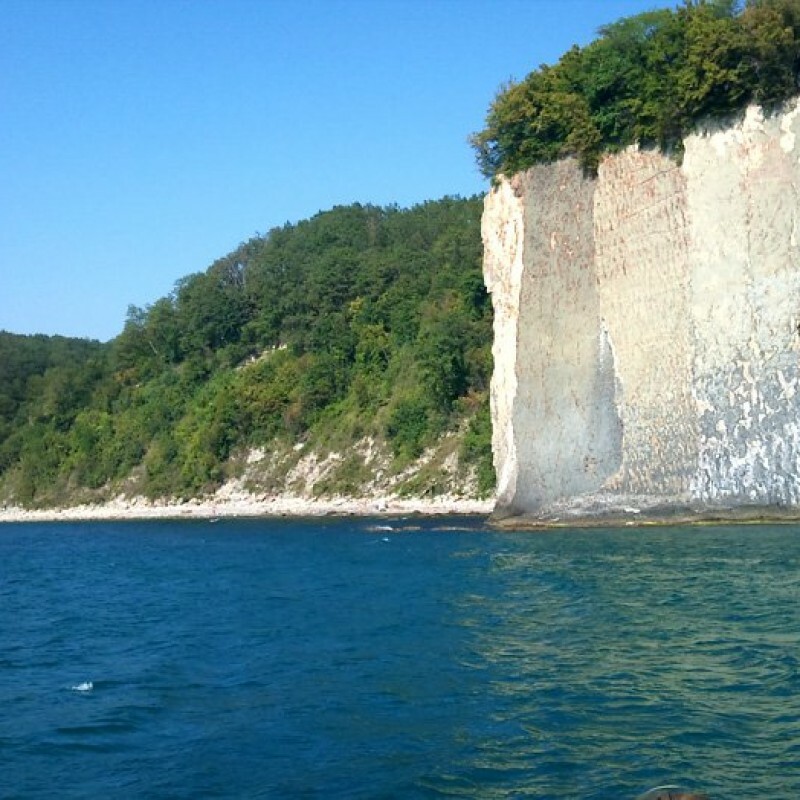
(245, 505)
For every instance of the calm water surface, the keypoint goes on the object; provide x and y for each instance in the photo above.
(337, 659)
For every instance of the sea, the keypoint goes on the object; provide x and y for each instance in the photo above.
(397, 658)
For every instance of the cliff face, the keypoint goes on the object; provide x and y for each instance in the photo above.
(646, 329)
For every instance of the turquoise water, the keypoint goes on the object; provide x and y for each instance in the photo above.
(340, 659)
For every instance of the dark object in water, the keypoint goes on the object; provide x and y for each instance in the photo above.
(671, 793)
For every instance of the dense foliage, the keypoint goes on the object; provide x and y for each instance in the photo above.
(362, 321)
(71, 367)
(648, 79)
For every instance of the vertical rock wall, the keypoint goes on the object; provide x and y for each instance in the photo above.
(646, 339)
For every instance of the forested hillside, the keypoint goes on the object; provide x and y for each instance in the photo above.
(363, 324)
(72, 367)
(649, 79)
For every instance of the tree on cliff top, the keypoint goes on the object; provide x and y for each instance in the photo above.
(647, 78)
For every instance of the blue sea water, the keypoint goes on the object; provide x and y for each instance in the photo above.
(434, 659)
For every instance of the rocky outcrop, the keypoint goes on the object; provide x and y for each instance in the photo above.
(646, 330)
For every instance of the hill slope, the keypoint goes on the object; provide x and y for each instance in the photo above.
(343, 354)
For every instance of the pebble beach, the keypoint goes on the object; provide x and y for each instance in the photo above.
(242, 504)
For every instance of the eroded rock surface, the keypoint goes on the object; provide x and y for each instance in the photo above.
(646, 330)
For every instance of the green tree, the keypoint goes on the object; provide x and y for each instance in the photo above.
(714, 78)
(772, 30)
(442, 339)
(647, 78)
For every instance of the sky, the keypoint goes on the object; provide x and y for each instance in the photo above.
(140, 140)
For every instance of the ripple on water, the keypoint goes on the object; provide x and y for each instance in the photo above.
(291, 659)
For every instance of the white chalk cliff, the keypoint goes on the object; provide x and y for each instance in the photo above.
(647, 348)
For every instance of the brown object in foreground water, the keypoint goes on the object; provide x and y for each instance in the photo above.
(672, 793)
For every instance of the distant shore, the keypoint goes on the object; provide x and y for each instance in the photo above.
(244, 506)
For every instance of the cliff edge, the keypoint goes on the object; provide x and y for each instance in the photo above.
(647, 328)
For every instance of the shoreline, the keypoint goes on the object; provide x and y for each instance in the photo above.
(241, 505)
(251, 506)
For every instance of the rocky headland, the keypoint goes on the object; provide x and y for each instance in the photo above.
(647, 331)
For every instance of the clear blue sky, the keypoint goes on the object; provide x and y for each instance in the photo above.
(142, 139)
